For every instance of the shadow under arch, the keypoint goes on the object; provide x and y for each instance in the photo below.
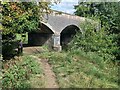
(67, 35)
(41, 36)
(48, 25)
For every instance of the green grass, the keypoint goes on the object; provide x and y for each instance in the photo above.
(74, 70)
(22, 72)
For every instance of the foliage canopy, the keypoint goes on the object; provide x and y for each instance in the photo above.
(108, 15)
(21, 17)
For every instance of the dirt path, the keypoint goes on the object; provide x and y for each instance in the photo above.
(49, 75)
(50, 78)
(32, 50)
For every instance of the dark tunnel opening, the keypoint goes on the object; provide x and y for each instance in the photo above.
(41, 36)
(67, 35)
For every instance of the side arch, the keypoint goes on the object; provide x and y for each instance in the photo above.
(72, 24)
(67, 35)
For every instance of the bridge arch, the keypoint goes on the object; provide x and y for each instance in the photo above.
(41, 36)
(48, 25)
(67, 35)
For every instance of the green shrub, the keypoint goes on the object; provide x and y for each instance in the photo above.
(17, 74)
(8, 49)
(92, 40)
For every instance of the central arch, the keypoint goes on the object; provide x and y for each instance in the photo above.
(67, 35)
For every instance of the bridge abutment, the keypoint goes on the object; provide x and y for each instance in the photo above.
(56, 42)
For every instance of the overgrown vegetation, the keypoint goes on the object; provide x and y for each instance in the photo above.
(18, 73)
(17, 18)
(23, 37)
(76, 70)
(93, 41)
(108, 14)
(8, 49)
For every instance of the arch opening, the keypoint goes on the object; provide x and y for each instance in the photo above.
(41, 36)
(67, 35)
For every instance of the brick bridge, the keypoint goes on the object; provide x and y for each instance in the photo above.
(57, 29)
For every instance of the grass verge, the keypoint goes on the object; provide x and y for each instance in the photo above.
(74, 70)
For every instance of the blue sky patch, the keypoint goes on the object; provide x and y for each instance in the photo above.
(65, 6)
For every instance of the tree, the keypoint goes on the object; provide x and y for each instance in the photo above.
(94, 41)
(20, 17)
(107, 13)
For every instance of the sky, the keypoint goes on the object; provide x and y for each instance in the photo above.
(65, 6)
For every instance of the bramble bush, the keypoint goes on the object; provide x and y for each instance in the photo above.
(95, 41)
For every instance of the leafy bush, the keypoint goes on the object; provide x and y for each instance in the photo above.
(92, 40)
(19, 72)
(8, 49)
(107, 13)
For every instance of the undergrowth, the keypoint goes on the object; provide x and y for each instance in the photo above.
(80, 70)
(17, 73)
